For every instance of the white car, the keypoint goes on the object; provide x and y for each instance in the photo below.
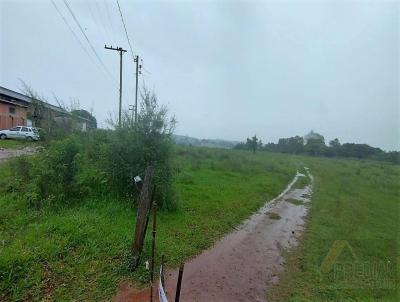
(21, 132)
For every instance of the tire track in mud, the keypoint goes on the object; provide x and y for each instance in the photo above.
(243, 265)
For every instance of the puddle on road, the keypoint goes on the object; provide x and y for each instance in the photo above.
(245, 263)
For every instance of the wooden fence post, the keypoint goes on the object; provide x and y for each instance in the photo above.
(162, 270)
(179, 283)
(153, 248)
(142, 214)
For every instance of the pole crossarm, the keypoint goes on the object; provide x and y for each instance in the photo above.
(115, 48)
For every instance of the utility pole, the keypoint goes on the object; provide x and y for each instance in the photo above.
(121, 51)
(138, 71)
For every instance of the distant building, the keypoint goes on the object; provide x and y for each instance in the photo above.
(17, 109)
(13, 109)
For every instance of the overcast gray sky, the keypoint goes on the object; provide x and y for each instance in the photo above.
(226, 69)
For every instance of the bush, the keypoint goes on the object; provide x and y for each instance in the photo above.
(104, 162)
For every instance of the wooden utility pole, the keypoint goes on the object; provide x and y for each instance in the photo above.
(121, 51)
(138, 71)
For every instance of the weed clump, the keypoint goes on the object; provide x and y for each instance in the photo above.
(273, 215)
(301, 182)
(295, 201)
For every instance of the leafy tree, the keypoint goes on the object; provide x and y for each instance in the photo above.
(391, 156)
(358, 150)
(259, 144)
(333, 149)
(315, 144)
(334, 143)
(39, 113)
(54, 124)
(148, 142)
(240, 146)
(86, 115)
(252, 143)
(291, 145)
(272, 147)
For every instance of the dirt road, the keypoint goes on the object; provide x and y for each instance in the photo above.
(8, 153)
(244, 264)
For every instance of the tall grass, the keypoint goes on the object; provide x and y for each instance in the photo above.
(77, 251)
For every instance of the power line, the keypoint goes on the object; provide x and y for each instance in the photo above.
(126, 32)
(87, 39)
(100, 13)
(73, 32)
(98, 19)
(145, 70)
(95, 19)
(92, 14)
(109, 17)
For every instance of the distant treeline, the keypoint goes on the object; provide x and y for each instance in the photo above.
(314, 144)
(211, 143)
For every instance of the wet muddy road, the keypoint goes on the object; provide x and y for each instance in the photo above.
(244, 264)
(8, 153)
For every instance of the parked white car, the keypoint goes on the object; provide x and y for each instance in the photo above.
(21, 132)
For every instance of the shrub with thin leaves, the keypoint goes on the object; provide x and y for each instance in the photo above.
(104, 162)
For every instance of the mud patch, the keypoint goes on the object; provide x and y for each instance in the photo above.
(128, 292)
(8, 153)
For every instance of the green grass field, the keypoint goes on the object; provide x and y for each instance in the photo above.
(79, 252)
(356, 204)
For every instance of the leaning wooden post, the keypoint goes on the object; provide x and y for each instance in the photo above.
(141, 216)
(153, 247)
(179, 283)
(162, 270)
